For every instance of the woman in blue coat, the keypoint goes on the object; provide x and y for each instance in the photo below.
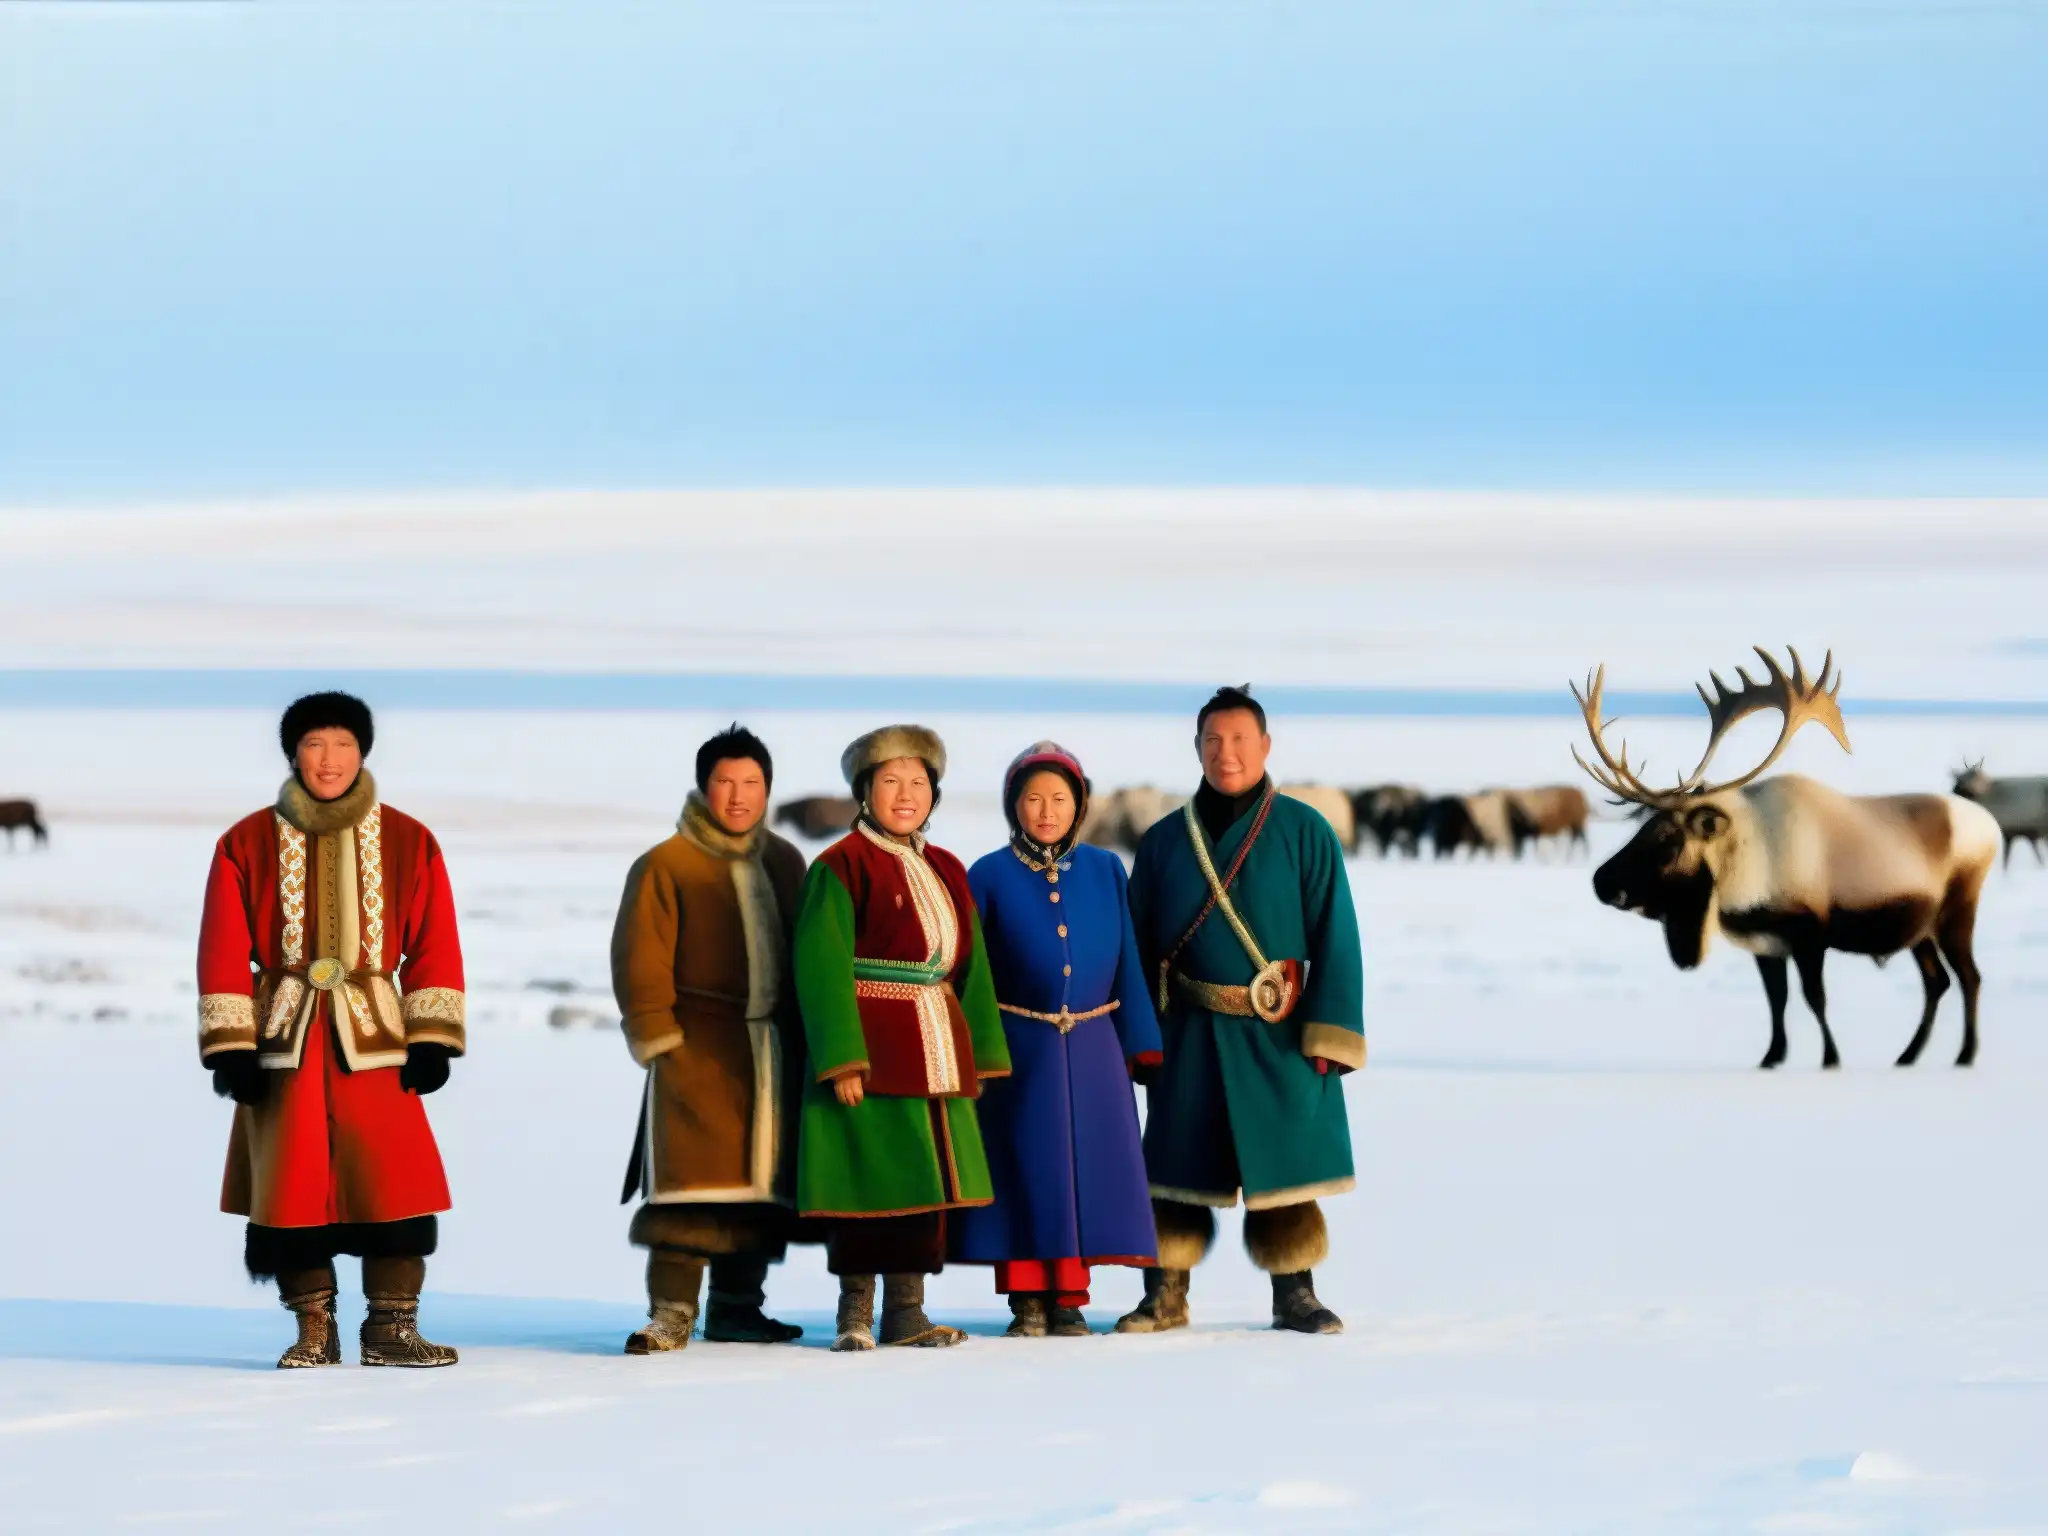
(1062, 1131)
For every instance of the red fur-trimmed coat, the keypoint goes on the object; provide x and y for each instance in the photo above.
(328, 945)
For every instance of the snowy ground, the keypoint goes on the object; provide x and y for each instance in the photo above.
(1599, 1274)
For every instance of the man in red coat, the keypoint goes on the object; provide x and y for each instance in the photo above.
(330, 1001)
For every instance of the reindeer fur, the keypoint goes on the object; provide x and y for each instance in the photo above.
(1787, 868)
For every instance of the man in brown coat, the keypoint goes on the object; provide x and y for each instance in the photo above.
(700, 967)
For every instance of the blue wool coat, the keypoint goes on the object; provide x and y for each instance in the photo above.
(1062, 1131)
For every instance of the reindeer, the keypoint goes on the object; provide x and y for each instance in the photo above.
(17, 814)
(1786, 867)
(2019, 806)
(817, 816)
(1553, 810)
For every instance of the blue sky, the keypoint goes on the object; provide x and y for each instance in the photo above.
(1782, 245)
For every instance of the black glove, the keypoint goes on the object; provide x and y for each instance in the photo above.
(238, 1075)
(425, 1069)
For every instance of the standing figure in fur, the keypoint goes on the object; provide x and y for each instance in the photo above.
(1245, 923)
(901, 1019)
(1062, 1130)
(330, 1002)
(700, 968)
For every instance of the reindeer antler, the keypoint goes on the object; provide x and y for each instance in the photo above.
(1799, 700)
(1618, 779)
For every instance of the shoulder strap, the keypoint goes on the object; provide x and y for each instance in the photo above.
(1219, 889)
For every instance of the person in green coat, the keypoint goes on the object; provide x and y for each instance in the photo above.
(902, 1027)
(1246, 928)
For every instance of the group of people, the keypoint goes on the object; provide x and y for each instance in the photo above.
(905, 1059)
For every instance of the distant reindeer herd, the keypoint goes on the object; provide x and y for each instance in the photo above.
(1388, 819)
(21, 816)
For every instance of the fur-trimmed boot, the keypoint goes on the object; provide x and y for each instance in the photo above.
(1296, 1309)
(856, 1320)
(1186, 1233)
(1165, 1305)
(1068, 1323)
(904, 1323)
(310, 1297)
(739, 1287)
(673, 1283)
(1287, 1242)
(391, 1333)
(1028, 1316)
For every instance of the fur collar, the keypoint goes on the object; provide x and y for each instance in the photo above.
(702, 828)
(889, 842)
(317, 818)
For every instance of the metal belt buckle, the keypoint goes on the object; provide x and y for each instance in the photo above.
(1272, 997)
(326, 974)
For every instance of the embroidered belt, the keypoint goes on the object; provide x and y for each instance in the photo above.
(910, 973)
(899, 991)
(1065, 1019)
(1239, 1002)
(294, 987)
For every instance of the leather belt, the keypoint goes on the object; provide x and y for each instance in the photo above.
(1217, 998)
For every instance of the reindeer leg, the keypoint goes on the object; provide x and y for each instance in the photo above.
(1772, 968)
(1809, 958)
(1958, 929)
(1935, 979)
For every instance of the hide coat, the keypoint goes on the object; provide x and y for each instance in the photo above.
(327, 946)
(1062, 1131)
(1239, 1103)
(700, 969)
(894, 986)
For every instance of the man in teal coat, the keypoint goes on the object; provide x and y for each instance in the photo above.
(1246, 928)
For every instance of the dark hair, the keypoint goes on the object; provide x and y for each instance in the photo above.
(320, 711)
(735, 741)
(1231, 698)
(865, 780)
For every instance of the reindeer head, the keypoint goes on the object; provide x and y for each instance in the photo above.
(1972, 782)
(1692, 831)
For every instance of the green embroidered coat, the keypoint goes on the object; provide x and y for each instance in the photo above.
(894, 986)
(1239, 1103)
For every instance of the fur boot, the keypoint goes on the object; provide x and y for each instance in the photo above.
(856, 1313)
(1186, 1233)
(904, 1323)
(734, 1315)
(1069, 1323)
(391, 1333)
(1296, 1309)
(310, 1297)
(673, 1283)
(1165, 1305)
(1288, 1238)
(1027, 1316)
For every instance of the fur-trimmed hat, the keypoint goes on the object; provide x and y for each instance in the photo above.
(890, 743)
(318, 711)
(1045, 754)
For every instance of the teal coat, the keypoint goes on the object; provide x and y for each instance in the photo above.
(1238, 1103)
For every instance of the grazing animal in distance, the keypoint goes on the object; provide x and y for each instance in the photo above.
(1552, 810)
(1333, 805)
(1788, 868)
(1479, 822)
(2019, 806)
(1394, 814)
(1122, 817)
(16, 815)
(817, 816)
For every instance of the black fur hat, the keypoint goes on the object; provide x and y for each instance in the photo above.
(318, 711)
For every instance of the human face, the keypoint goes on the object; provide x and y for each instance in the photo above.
(737, 793)
(328, 761)
(900, 795)
(1234, 751)
(1045, 807)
